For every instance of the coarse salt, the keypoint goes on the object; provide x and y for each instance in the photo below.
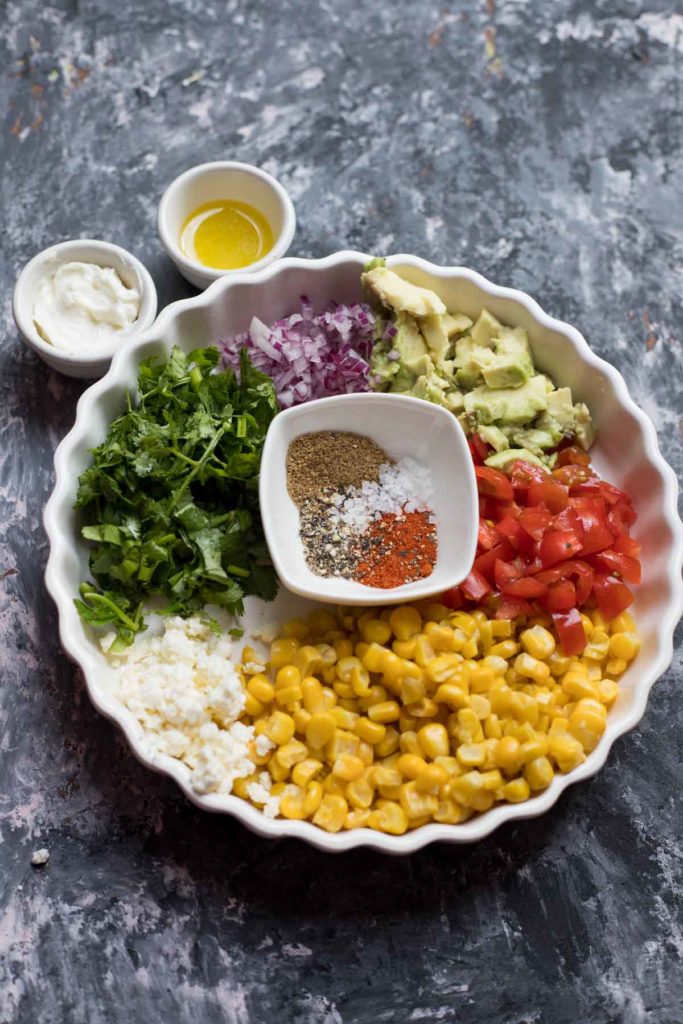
(403, 486)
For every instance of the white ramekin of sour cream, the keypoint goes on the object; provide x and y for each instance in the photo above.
(78, 302)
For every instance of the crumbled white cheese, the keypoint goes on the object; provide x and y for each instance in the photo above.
(263, 744)
(40, 857)
(185, 691)
(259, 793)
(267, 632)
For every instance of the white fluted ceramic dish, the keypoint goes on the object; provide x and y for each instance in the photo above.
(626, 453)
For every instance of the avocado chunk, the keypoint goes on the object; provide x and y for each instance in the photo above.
(467, 370)
(435, 334)
(428, 387)
(508, 364)
(508, 405)
(408, 342)
(485, 328)
(494, 436)
(504, 460)
(456, 323)
(584, 428)
(400, 295)
(561, 408)
(535, 439)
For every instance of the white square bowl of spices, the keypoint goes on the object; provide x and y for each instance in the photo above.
(368, 499)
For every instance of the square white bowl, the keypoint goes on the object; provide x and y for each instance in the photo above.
(405, 428)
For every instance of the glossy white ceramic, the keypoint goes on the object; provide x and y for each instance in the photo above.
(626, 453)
(405, 428)
(224, 179)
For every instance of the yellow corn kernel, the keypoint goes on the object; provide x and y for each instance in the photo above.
(501, 628)
(588, 626)
(449, 812)
(259, 687)
(507, 753)
(425, 708)
(471, 755)
(253, 707)
(387, 711)
(412, 690)
(390, 818)
(468, 789)
(381, 776)
(334, 785)
(566, 752)
(539, 773)
(411, 765)
(328, 655)
(516, 791)
(343, 690)
(616, 667)
(408, 743)
(290, 753)
(441, 637)
(376, 695)
(453, 695)
(320, 729)
(375, 631)
(482, 677)
(329, 698)
(424, 652)
(348, 767)
(369, 731)
(471, 648)
(531, 668)
(558, 727)
(312, 694)
(239, 786)
(608, 691)
(357, 819)
(481, 706)
(278, 772)
(586, 724)
(331, 812)
(389, 744)
(297, 628)
(433, 739)
(493, 730)
(373, 659)
(405, 622)
(288, 695)
(344, 719)
(279, 728)
(342, 742)
(534, 748)
(624, 645)
(431, 779)
(505, 649)
(576, 685)
(468, 728)
(307, 659)
(404, 649)
(327, 675)
(538, 642)
(321, 621)
(292, 803)
(346, 667)
(282, 652)
(313, 796)
(344, 647)
(598, 646)
(416, 803)
(360, 793)
(305, 771)
(558, 664)
(492, 780)
(623, 624)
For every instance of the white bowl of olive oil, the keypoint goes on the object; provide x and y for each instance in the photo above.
(224, 218)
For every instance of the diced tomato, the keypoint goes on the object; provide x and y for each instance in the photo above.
(487, 536)
(536, 521)
(612, 595)
(627, 546)
(510, 607)
(453, 598)
(524, 474)
(518, 537)
(480, 449)
(559, 545)
(573, 456)
(486, 562)
(590, 512)
(560, 597)
(620, 518)
(572, 475)
(493, 483)
(553, 495)
(570, 631)
(511, 583)
(574, 569)
(476, 586)
(616, 562)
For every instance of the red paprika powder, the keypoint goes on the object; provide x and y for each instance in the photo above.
(397, 550)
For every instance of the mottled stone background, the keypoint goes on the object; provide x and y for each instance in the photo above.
(538, 142)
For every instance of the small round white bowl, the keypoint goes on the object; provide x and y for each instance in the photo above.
(224, 179)
(404, 427)
(84, 250)
(625, 453)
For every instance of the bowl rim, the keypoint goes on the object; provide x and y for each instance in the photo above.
(366, 596)
(148, 301)
(280, 245)
(476, 828)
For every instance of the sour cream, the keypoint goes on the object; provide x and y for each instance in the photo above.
(83, 307)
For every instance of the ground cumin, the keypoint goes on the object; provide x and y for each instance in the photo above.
(331, 461)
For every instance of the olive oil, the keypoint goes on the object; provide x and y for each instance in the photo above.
(226, 234)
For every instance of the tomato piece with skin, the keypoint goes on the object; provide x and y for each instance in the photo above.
(572, 475)
(570, 631)
(574, 569)
(620, 518)
(553, 495)
(616, 562)
(480, 449)
(453, 598)
(560, 597)
(524, 474)
(476, 586)
(510, 528)
(536, 521)
(627, 546)
(493, 483)
(510, 579)
(572, 455)
(487, 536)
(510, 607)
(558, 546)
(486, 562)
(612, 595)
